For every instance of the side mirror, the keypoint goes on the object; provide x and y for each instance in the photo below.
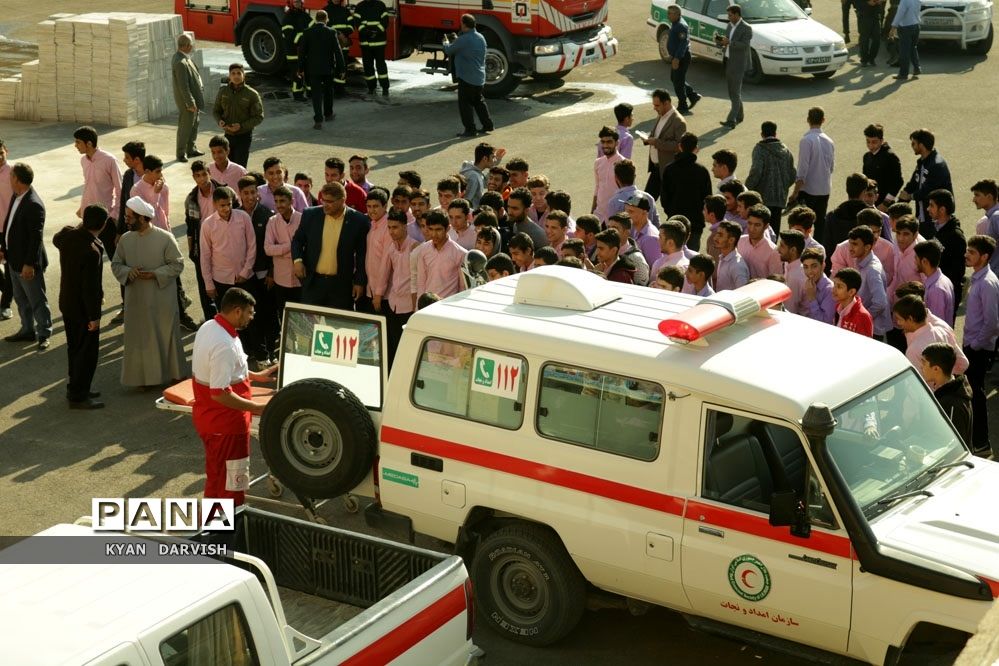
(787, 509)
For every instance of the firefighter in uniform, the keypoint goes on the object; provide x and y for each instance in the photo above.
(223, 402)
(371, 20)
(296, 21)
(340, 15)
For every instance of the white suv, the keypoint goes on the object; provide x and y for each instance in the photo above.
(966, 21)
(786, 40)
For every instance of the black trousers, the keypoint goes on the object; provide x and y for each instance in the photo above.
(394, 323)
(979, 362)
(259, 336)
(329, 291)
(679, 78)
(82, 350)
(322, 96)
(775, 219)
(208, 308)
(470, 100)
(373, 59)
(694, 242)
(6, 287)
(282, 296)
(819, 204)
(846, 5)
(869, 27)
(239, 148)
(654, 185)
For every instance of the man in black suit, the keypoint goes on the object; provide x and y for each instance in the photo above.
(80, 294)
(319, 58)
(23, 248)
(329, 248)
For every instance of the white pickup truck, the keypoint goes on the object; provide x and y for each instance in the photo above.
(367, 600)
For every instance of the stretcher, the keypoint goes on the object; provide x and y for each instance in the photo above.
(180, 398)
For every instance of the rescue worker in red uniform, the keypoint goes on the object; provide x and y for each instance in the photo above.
(371, 19)
(296, 22)
(223, 404)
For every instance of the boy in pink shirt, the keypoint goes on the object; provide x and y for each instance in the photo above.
(394, 280)
(281, 228)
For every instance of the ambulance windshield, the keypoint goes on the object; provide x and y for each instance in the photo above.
(885, 440)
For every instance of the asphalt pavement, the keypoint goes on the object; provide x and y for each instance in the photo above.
(53, 461)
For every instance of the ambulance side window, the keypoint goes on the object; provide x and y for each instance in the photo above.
(471, 383)
(601, 411)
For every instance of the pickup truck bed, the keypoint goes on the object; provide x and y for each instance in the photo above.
(312, 615)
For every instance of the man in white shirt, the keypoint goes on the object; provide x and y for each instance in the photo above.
(816, 161)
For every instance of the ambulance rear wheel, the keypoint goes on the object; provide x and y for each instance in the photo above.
(317, 438)
(263, 46)
(527, 588)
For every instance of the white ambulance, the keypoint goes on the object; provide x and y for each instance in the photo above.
(732, 462)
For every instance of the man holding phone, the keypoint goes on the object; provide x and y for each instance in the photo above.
(737, 59)
(468, 55)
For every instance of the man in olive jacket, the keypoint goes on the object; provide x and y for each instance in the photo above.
(238, 109)
(189, 95)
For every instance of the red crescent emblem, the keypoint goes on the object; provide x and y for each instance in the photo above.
(746, 573)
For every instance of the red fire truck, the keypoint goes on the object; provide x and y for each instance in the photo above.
(538, 38)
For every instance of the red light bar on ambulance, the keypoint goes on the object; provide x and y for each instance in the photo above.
(724, 309)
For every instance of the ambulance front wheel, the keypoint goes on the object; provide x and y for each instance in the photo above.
(317, 438)
(527, 588)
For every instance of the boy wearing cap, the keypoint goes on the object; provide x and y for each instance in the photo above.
(642, 232)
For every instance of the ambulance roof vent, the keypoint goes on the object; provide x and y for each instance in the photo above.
(563, 287)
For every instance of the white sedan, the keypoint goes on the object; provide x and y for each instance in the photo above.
(786, 40)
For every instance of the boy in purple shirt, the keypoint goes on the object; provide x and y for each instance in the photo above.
(981, 328)
(816, 298)
(699, 272)
(939, 290)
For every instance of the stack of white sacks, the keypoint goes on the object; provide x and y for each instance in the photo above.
(106, 69)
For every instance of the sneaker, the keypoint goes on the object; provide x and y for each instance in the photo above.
(6, 313)
(44, 344)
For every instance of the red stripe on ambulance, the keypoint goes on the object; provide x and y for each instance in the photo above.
(714, 515)
(532, 470)
(402, 638)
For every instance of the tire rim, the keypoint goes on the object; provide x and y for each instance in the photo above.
(311, 442)
(518, 589)
(497, 66)
(262, 46)
(663, 40)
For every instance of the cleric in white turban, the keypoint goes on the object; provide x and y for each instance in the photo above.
(148, 262)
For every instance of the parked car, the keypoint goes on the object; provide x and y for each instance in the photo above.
(786, 39)
(967, 22)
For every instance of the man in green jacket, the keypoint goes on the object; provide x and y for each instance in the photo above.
(238, 109)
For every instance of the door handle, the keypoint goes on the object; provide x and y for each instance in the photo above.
(818, 561)
(711, 531)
